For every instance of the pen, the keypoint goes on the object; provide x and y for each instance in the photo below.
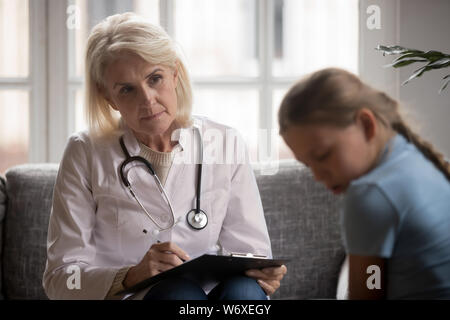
(157, 241)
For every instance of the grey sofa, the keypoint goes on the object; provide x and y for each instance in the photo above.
(302, 217)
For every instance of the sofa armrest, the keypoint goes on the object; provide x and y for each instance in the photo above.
(29, 190)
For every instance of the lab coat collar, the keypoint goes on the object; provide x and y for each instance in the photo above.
(180, 135)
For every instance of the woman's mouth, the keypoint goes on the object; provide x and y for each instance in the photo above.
(153, 116)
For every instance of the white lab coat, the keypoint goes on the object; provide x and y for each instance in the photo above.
(96, 226)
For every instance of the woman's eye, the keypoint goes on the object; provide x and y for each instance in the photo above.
(125, 90)
(155, 80)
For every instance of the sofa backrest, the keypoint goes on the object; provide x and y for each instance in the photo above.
(302, 219)
(303, 222)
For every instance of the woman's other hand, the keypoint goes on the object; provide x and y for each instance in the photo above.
(268, 278)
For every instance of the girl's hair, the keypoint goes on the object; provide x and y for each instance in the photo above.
(334, 96)
(128, 32)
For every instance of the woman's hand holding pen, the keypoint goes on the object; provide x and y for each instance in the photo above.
(159, 258)
(268, 278)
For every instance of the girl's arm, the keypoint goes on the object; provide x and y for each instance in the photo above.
(367, 277)
(370, 226)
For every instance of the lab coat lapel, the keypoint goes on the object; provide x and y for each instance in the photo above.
(130, 140)
(178, 165)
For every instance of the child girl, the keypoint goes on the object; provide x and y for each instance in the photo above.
(396, 217)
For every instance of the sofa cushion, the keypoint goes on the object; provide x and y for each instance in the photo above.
(303, 222)
(29, 189)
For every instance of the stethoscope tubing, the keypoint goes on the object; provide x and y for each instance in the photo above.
(197, 211)
(199, 172)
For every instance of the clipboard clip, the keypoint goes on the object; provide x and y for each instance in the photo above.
(247, 255)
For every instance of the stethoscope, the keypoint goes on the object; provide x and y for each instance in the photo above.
(196, 218)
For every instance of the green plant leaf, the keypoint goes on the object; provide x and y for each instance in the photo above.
(433, 55)
(440, 63)
(417, 73)
(445, 84)
(389, 50)
(404, 62)
(430, 55)
(410, 55)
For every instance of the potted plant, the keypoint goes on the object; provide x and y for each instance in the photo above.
(431, 59)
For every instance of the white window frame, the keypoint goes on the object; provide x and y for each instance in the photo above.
(35, 83)
(59, 111)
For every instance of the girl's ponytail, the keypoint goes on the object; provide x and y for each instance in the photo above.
(388, 109)
(425, 147)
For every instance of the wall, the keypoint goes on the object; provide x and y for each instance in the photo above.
(424, 25)
(420, 25)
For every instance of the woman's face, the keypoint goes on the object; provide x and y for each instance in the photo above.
(335, 155)
(143, 93)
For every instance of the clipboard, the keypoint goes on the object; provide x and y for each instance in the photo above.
(209, 268)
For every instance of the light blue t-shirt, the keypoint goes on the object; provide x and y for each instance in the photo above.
(400, 210)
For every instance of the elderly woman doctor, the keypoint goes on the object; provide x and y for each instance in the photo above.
(127, 205)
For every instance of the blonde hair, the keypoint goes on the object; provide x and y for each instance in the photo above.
(334, 96)
(128, 32)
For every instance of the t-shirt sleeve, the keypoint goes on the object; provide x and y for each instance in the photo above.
(369, 222)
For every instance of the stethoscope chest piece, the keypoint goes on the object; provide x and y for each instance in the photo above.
(197, 220)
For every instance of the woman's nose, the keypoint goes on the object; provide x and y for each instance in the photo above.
(147, 96)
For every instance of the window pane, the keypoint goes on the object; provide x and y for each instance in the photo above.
(14, 120)
(235, 108)
(315, 34)
(283, 150)
(149, 9)
(219, 38)
(14, 38)
(87, 13)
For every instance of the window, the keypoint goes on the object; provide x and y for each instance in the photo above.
(242, 55)
(21, 97)
(14, 92)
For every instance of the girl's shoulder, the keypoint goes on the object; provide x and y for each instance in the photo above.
(404, 181)
(404, 168)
